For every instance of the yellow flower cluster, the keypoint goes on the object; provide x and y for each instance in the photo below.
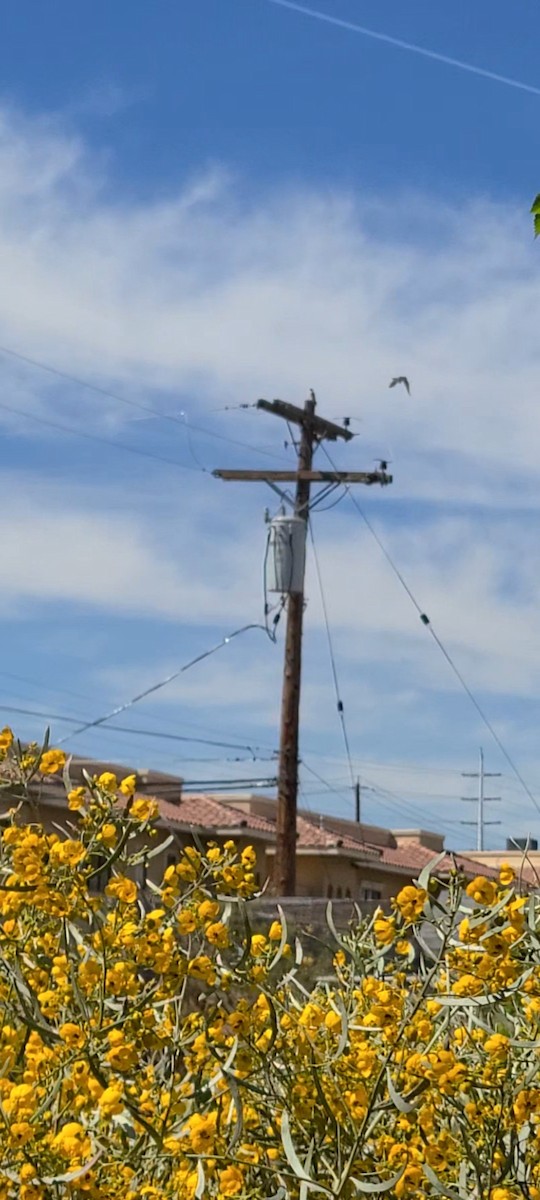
(157, 1045)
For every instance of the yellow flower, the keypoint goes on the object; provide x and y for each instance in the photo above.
(72, 1035)
(122, 889)
(76, 798)
(111, 1100)
(202, 1132)
(248, 856)
(107, 835)
(67, 853)
(231, 1181)
(410, 901)
(483, 891)
(107, 781)
(186, 922)
(275, 931)
(218, 935)
(384, 929)
(506, 874)
(208, 910)
(72, 1141)
(497, 1046)
(144, 809)
(52, 762)
(128, 785)
(202, 968)
(311, 1017)
(403, 946)
(21, 1132)
(258, 945)
(6, 739)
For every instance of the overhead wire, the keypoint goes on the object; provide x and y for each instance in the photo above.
(94, 437)
(136, 731)
(111, 395)
(442, 648)
(339, 701)
(155, 687)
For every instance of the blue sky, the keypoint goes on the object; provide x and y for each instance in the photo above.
(203, 203)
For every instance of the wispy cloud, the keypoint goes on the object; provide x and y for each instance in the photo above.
(215, 296)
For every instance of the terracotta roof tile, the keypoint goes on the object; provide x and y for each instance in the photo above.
(415, 856)
(207, 813)
(312, 834)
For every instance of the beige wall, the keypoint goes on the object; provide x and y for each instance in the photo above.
(516, 858)
(326, 876)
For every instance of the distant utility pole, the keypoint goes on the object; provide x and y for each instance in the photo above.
(314, 431)
(357, 801)
(481, 799)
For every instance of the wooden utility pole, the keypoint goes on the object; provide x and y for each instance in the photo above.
(357, 801)
(314, 430)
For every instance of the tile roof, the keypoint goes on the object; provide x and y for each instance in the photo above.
(312, 834)
(207, 813)
(415, 857)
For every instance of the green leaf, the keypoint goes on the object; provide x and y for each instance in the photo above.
(331, 925)
(199, 1190)
(385, 1185)
(425, 875)
(535, 206)
(402, 1105)
(537, 225)
(282, 941)
(73, 1175)
(440, 1188)
(292, 1156)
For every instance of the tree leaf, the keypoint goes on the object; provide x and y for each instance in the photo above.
(293, 1159)
(199, 1190)
(537, 225)
(440, 1188)
(535, 206)
(383, 1185)
(425, 875)
(402, 1105)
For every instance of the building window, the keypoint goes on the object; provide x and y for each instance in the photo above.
(371, 894)
(329, 891)
(339, 894)
(348, 894)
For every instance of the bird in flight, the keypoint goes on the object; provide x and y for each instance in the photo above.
(401, 379)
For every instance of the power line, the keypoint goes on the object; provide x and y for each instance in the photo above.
(412, 47)
(136, 731)
(339, 701)
(95, 437)
(163, 682)
(110, 395)
(233, 745)
(446, 654)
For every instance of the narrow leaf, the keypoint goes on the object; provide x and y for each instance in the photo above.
(425, 875)
(440, 1188)
(371, 1189)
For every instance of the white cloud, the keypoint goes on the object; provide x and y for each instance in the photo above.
(211, 297)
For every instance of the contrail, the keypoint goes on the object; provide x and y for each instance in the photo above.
(411, 46)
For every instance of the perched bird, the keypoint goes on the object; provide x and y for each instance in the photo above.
(401, 379)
